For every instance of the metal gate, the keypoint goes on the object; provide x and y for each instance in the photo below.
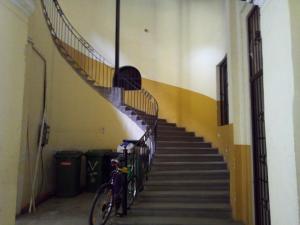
(261, 184)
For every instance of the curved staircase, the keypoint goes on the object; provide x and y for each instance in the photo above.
(97, 72)
(189, 180)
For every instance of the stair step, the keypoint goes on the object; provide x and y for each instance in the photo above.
(170, 194)
(173, 132)
(167, 128)
(185, 150)
(189, 174)
(179, 138)
(184, 196)
(186, 182)
(186, 206)
(162, 120)
(189, 165)
(187, 157)
(186, 185)
(171, 220)
(182, 144)
(161, 124)
(212, 210)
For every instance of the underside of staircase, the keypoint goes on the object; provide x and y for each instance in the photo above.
(188, 183)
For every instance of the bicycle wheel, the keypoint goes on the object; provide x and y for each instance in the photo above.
(132, 191)
(102, 205)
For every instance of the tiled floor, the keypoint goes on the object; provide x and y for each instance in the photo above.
(60, 211)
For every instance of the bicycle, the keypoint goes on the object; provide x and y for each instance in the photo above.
(112, 194)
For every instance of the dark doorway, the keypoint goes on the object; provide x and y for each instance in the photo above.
(128, 78)
(223, 93)
(260, 167)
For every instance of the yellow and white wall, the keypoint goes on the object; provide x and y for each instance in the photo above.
(177, 55)
(184, 42)
(14, 26)
(280, 52)
(79, 118)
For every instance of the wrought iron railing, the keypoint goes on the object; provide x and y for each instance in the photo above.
(98, 72)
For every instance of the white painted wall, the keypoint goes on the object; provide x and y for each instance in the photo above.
(184, 44)
(279, 106)
(281, 78)
(295, 28)
(238, 70)
(13, 37)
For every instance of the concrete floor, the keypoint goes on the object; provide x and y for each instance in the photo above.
(60, 211)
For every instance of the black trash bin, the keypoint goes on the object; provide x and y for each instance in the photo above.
(97, 168)
(68, 168)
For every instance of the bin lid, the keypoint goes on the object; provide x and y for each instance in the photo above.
(98, 152)
(68, 154)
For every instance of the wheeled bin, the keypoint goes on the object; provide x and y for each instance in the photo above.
(68, 171)
(98, 168)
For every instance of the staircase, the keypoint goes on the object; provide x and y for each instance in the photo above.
(188, 183)
(189, 180)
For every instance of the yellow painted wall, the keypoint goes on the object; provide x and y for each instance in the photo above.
(236, 138)
(79, 118)
(188, 109)
(239, 161)
(198, 113)
(13, 36)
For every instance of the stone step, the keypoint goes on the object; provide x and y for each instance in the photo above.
(187, 185)
(185, 150)
(183, 144)
(171, 220)
(162, 124)
(189, 166)
(211, 210)
(180, 138)
(174, 133)
(187, 157)
(162, 120)
(189, 174)
(184, 196)
(167, 128)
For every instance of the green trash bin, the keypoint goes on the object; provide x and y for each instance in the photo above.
(97, 168)
(68, 168)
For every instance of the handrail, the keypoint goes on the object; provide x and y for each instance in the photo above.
(76, 33)
(97, 71)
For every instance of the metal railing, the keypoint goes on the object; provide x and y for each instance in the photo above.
(98, 72)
